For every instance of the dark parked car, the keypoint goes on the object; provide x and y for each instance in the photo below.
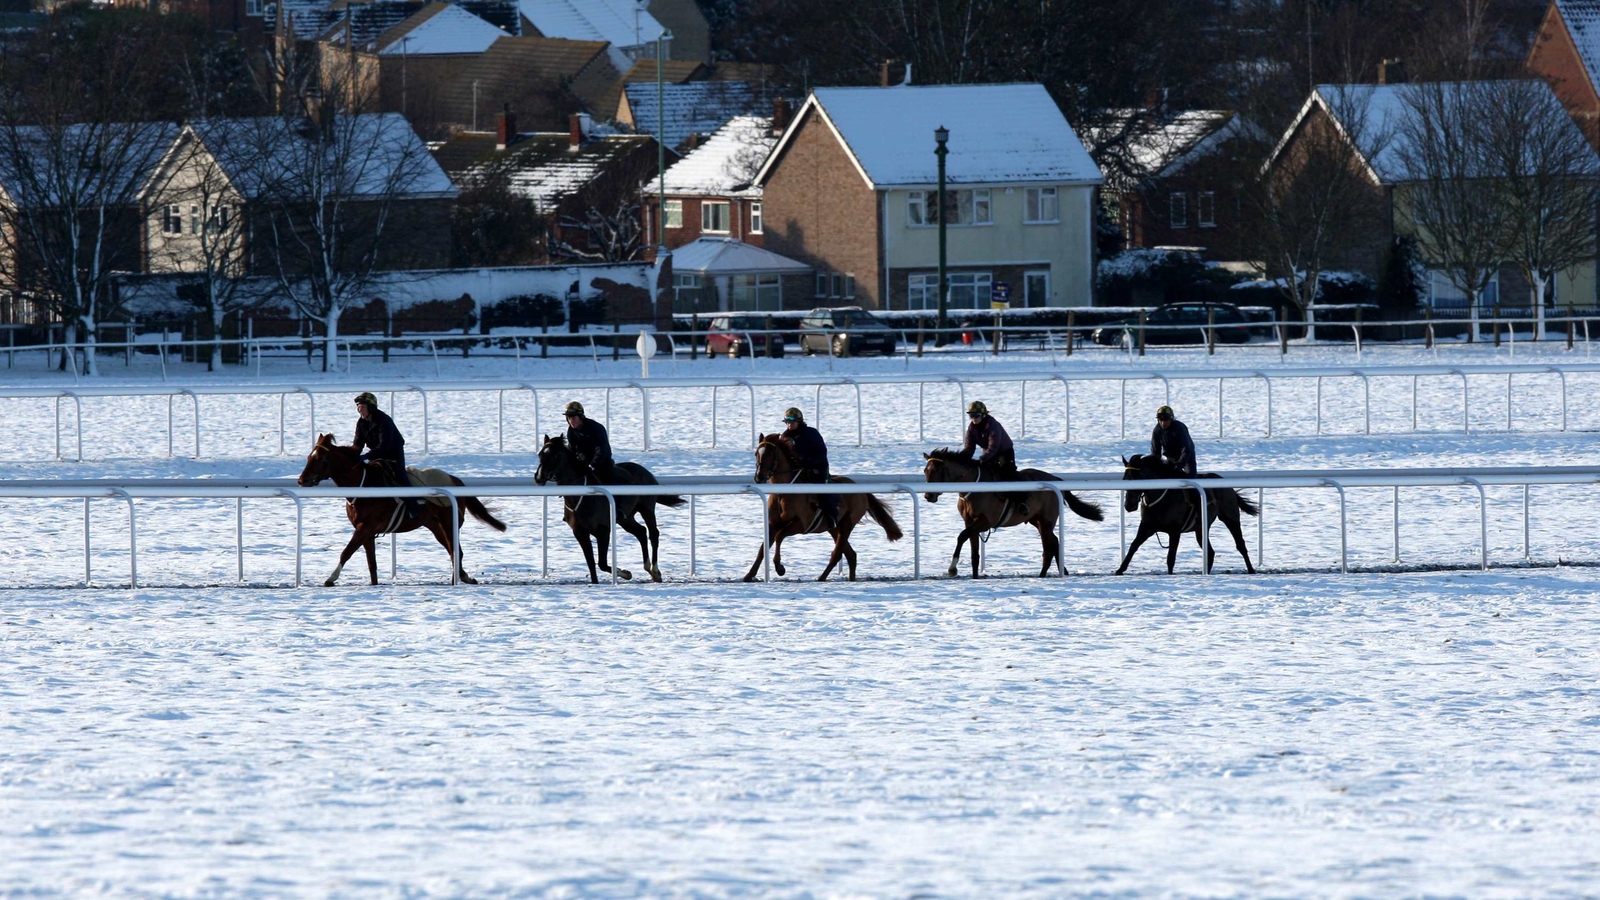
(736, 336)
(1178, 323)
(846, 330)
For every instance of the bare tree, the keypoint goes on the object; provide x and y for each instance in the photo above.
(1545, 176)
(1456, 213)
(602, 230)
(492, 225)
(335, 199)
(1316, 202)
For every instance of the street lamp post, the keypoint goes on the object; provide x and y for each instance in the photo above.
(661, 138)
(940, 136)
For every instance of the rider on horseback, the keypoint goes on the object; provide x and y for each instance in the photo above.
(383, 444)
(1170, 442)
(812, 451)
(589, 443)
(999, 459)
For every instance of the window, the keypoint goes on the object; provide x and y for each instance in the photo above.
(917, 208)
(849, 286)
(219, 217)
(1041, 205)
(1178, 210)
(674, 213)
(172, 220)
(194, 220)
(822, 284)
(968, 290)
(922, 292)
(714, 217)
(1442, 294)
(762, 293)
(252, 7)
(1205, 209)
(963, 207)
(838, 285)
(1036, 288)
(755, 217)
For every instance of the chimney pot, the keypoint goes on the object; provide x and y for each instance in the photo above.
(505, 128)
(1392, 71)
(575, 130)
(780, 115)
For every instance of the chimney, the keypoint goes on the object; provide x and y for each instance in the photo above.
(884, 69)
(1392, 71)
(780, 115)
(577, 129)
(320, 112)
(505, 128)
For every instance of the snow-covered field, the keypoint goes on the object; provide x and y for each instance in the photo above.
(1424, 730)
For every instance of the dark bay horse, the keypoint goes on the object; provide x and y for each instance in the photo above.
(590, 516)
(1177, 512)
(381, 515)
(983, 512)
(791, 514)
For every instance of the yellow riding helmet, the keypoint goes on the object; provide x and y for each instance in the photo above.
(793, 414)
(574, 409)
(1164, 412)
(976, 408)
(367, 398)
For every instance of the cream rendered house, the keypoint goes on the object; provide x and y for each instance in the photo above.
(850, 190)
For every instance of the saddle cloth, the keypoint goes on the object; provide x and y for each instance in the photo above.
(431, 478)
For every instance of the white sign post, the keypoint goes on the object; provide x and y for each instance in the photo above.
(646, 345)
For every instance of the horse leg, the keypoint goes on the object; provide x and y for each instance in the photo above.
(1238, 541)
(371, 547)
(441, 533)
(1172, 548)
(1052, 547)
(588, 554)
(955, 557)
(358, 539)
(1211, 549)
(602, 540)
(775, 533)
(975, 542)
(841, 548)
(647, 511)
(633, 527)
(1144, 533)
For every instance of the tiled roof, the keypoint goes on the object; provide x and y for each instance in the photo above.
(673, 71)
(726, 256)
(623, 23)
(543, 167)
(439, 29)
(523, 72)
(999, 133)
(725, 164)
(376, 153)
(363, 22)
(699, 107)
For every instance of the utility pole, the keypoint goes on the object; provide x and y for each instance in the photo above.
(940, 136)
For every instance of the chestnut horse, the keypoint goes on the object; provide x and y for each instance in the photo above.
(789, 514)
(373, 516)
(981, 512)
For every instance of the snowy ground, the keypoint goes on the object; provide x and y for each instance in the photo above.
(1299, 733)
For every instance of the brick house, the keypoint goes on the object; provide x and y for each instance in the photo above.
(709, 191)
(1566, 53)
(1384, 108)
(1183, 187)
(850, 190)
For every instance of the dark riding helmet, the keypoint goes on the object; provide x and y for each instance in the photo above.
(1164, 412)
(976, 408)
(367, 398)
(574, 409)
(793, 414)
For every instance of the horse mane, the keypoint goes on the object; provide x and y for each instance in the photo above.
(1142, 460)
(945, 454)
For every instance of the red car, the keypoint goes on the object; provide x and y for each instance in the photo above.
(735, 336)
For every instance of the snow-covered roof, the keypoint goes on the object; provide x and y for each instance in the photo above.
(378, 154)
(1375, 117)
(999, 134)
(41, 166)
(726, 256)
(622, 23)
(1583, 24)
(542, 167)
(699, 107)
(1162, 147)
(725, 164)
(450, 30)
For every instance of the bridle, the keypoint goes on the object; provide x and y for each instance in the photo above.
(766, 466)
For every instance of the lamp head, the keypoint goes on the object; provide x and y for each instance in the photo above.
(941, 134)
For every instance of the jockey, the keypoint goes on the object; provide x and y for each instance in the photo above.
(812, 451)
(382, 442)
(1170, 442)
(590, 443)
(999, 459)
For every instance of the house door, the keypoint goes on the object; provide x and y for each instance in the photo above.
(1036, 288)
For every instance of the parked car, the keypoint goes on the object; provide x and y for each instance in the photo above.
(736, 336)
(1178, 323)
(846, 331)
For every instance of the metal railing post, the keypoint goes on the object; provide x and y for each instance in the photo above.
(133, 538)
(1344, 546)
(1483, 523)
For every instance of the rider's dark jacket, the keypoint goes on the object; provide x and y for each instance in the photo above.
(987, 434)
(1174, 445)
(592, 446)
(811, 450)
(380, 439)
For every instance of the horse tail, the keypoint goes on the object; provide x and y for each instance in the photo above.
(481, 513)
(641, 475)
(1250, 509)
(672, 500)
(1084, 508)
(880, 514)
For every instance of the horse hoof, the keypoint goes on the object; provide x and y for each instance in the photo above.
(624, 574)
(468, 579)
(655, 575)
(749, 578)
(780, 569)
(951, 571)
(330, 582)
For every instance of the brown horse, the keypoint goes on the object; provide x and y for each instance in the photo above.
(373, 516)
(589, 516)
(983, 512)
(789, 514)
